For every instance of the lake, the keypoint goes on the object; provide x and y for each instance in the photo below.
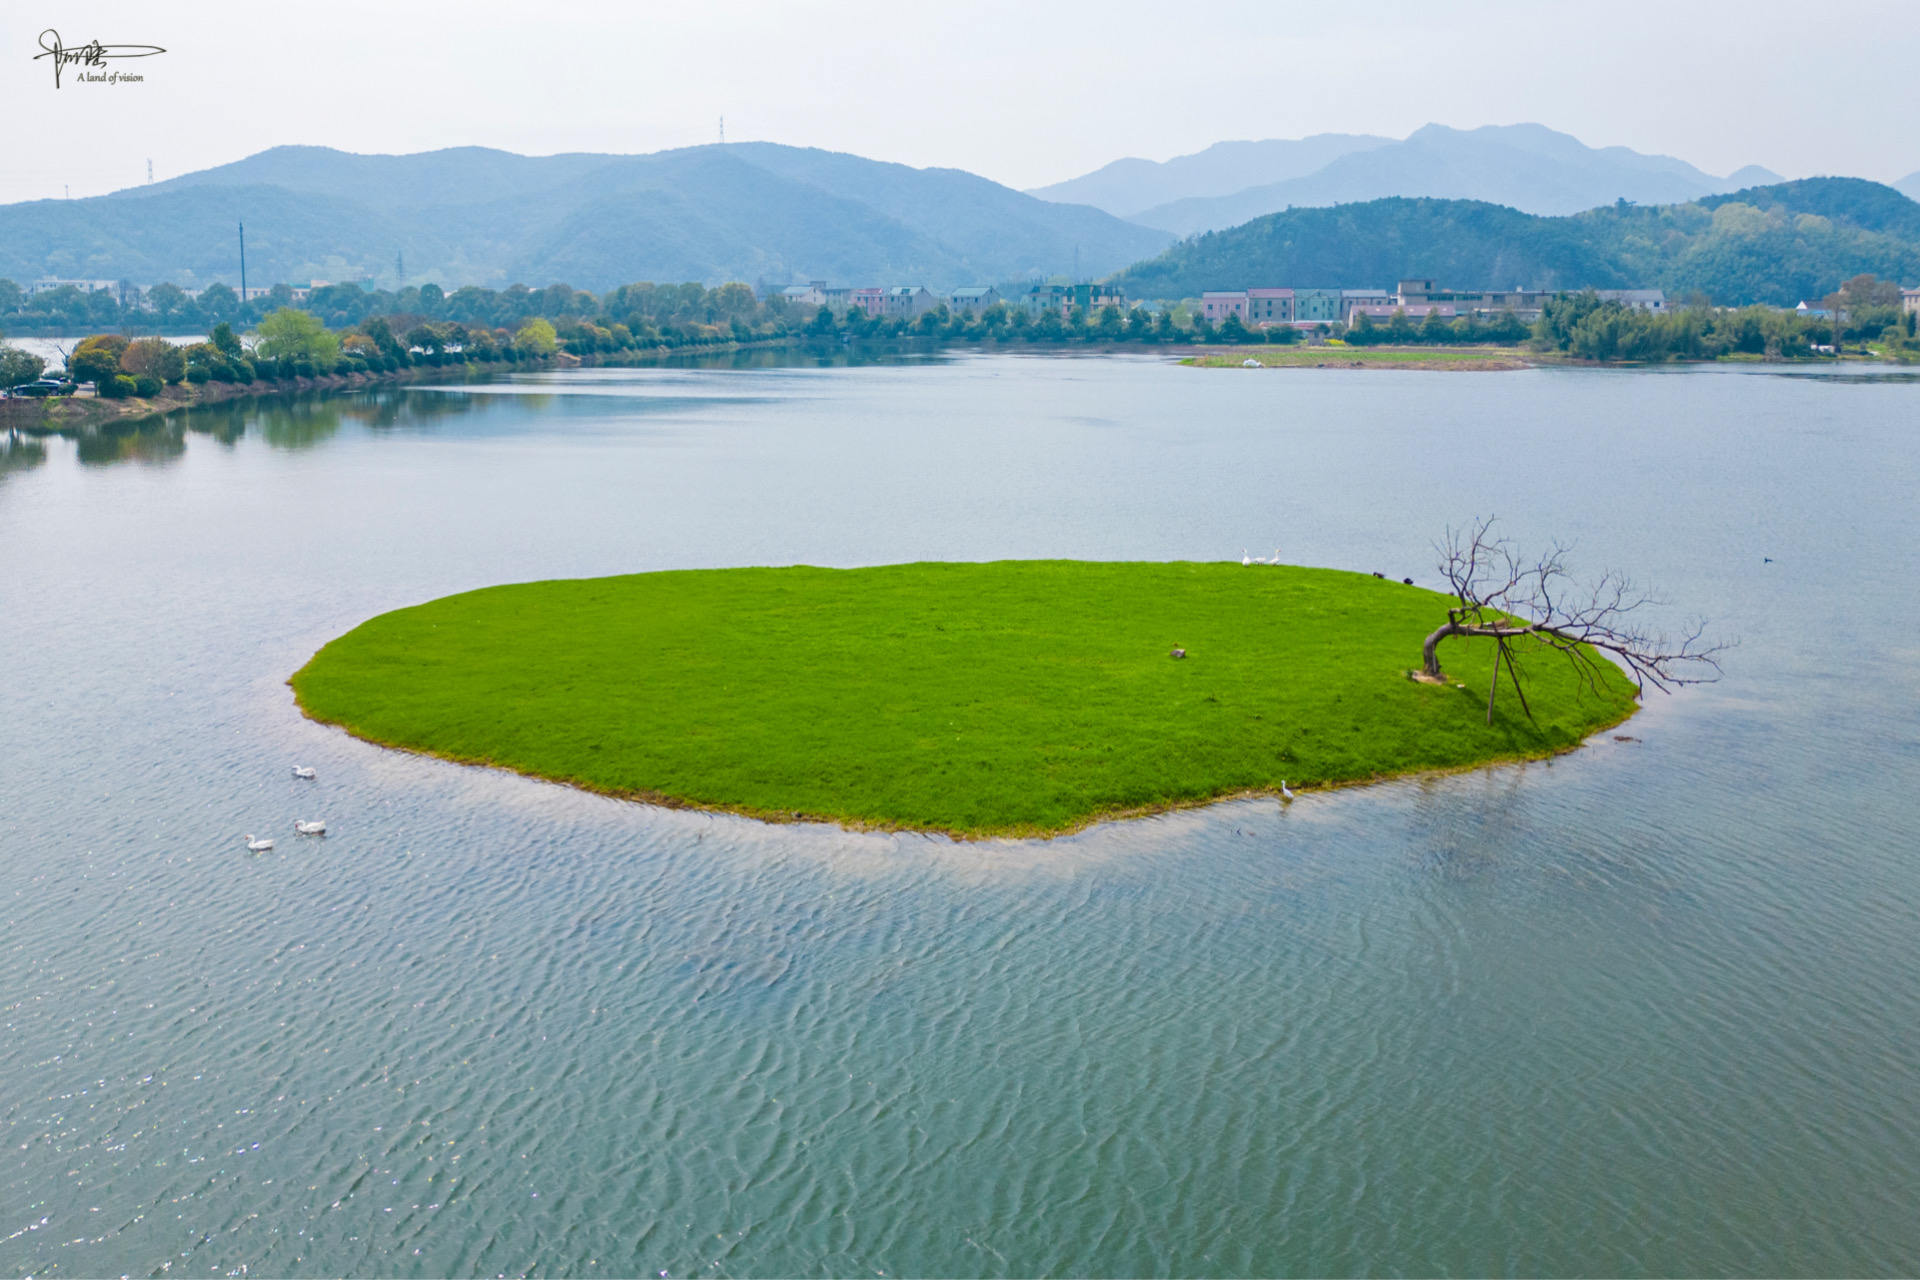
(1651, 1009)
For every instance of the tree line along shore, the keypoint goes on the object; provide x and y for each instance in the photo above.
(481, 329)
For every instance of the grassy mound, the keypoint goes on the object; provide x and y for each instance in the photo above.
(1015, 697)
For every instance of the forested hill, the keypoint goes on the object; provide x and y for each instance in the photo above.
(1777, 244)
(744, 211)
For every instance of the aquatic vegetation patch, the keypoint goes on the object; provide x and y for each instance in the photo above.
(1006, 698)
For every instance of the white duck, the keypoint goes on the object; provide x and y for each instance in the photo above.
(310, 828)
(257, 846)
(301, 771)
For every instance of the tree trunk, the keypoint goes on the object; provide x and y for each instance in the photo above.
(1430, 652)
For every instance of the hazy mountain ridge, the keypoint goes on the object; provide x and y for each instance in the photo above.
(1125, 187)
(1526, 166)
(473, 215)
(1777, 244)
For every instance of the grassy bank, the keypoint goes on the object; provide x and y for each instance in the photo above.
(977, 699)
(1344, 357)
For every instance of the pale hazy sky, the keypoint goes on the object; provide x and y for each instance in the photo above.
(1025, 93)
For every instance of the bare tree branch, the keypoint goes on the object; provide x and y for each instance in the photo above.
(1509, 598)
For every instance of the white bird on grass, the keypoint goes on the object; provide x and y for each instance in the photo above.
(1284, 793)
(310, 828)
(301, 771)
(1244, 557)
(257, 846)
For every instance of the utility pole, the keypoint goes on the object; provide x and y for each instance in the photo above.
(399, 270)
(723, 131)
(243, 264)
(149, 170)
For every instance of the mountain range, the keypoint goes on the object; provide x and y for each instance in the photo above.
(1523, 166)
(1777, 244)
(1129, 187)
(776, 214)
(470, 215)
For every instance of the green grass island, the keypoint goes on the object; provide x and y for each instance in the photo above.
(1014, 698)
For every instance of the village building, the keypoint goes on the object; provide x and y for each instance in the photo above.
(1382, 313)
(47, 284)
(1316, 306)
(1268, 307)
(1638, 299)
(973, 299)
(909, 300)
(1063, 298)
(1217, 304)
(812, 294)
(1351, 298)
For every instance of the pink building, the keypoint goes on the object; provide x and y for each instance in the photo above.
(871, 301)
(1217, 306)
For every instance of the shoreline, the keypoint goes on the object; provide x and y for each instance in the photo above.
(782, 817)
(55, 415)
(67, 414)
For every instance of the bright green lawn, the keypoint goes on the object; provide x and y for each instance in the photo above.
(1013, 697)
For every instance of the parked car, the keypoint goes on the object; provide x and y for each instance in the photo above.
(45, 387)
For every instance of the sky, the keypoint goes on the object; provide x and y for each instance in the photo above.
(1023, 92)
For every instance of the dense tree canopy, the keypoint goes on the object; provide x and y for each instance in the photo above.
(1776, 245)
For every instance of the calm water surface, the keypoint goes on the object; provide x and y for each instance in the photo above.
(1654, 1009)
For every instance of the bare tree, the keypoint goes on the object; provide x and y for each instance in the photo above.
(1507, 598)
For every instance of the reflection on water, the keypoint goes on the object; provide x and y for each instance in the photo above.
(151, 441)
(305, 420)
(20, 453)
(309, 419)
(287, 422)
